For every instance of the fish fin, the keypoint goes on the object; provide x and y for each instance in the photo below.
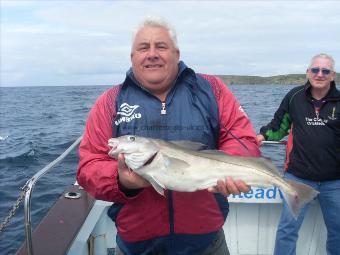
(170, 162)
(195, 146)
(159, 187)
(303, 194)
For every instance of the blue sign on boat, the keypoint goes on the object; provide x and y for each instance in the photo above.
(258, 195)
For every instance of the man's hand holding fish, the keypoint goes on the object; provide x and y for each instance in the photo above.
(230, 186)
(127, 179)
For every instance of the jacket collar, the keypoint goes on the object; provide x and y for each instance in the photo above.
(333, 93)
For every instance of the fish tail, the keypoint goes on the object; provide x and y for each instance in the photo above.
(301, 195)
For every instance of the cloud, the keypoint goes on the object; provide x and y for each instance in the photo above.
(88, 42)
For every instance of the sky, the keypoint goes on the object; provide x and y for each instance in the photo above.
(59, 43)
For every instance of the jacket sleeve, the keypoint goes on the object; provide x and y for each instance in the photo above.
(280, 125)
(237, 135)
(97, 172)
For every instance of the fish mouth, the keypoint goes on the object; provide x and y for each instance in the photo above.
(114, 152)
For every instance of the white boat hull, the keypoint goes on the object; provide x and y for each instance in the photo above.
(250, 229)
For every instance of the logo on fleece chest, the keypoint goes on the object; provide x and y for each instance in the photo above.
(127, 113)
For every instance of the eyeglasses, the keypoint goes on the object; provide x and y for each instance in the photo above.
(324, 71)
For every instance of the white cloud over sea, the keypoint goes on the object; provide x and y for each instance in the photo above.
(88, 42)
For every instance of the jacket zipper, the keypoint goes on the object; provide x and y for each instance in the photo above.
(317, 113)
(163, 110)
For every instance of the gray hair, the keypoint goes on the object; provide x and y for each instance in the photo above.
(323, 55)
(154, 21)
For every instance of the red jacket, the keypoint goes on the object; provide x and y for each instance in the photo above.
(148, 215)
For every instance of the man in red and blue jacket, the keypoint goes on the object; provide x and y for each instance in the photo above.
(162, 98)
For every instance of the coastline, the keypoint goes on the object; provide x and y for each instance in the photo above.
(284, 79)
(287, 79)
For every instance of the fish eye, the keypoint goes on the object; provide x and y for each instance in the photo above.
(132, 138)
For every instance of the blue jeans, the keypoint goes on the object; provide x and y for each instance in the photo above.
(329, 199)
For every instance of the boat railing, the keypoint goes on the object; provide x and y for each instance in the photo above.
(283, 142)
(30, 185)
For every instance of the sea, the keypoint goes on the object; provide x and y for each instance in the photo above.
(37, 124)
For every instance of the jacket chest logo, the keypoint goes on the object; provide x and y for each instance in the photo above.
(127, 113)
(315, 121)
(333, 114)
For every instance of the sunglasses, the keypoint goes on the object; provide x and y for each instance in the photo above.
(324, 71)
